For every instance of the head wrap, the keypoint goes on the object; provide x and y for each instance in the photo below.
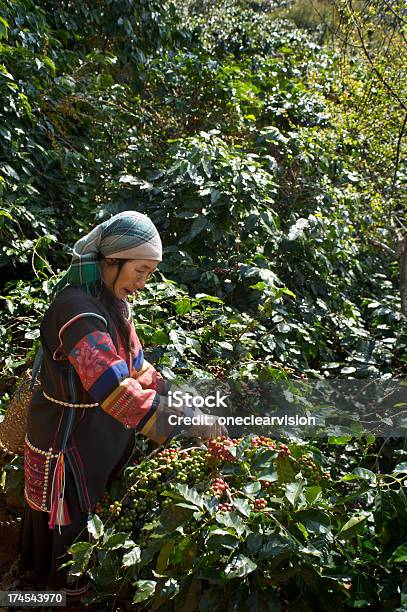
(128, 235)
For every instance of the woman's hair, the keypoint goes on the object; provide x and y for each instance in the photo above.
(113, 304)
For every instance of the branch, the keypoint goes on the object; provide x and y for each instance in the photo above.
(391, 9)
(397, 160)
(403, 276)
(383, 246)
(371, 62)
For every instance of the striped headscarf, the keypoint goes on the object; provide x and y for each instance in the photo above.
(128, 235)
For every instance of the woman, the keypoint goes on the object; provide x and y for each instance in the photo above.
(96, 389)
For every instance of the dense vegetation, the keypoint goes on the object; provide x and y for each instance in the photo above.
(269, 149)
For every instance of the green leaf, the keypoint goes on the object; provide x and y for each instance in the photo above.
(218, 538)
(132, 557)
(360, 474)
(191, 495)
(48, 62)
(401, 468)
(145, 590)
(276, 545)
(231, 519)
(239, 567)
(242, 505)
(165, 552)
(199, 224)
(215, 195)
(203, 297)
(315, 521)
(174, 516)
(114, 541)
(252, 488)
(312, 493)
(400, 554)
(183, 306)
(293, 491)
(159, 337)
(95, 526)
(4, 28)
(354, 525)
(178, 340)
(339, 440)
(285, 469)
(81, 552)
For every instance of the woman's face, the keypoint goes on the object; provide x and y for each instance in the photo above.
(132, 277)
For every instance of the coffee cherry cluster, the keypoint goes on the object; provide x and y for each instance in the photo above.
(220, 271)
(284, 451)
(260, 503)
(219, 449)
(145, 487)
(115, 508)
(258, 441)
(218, 371)
(148, 480)
(226, 507)
(219, 487)
(310, 470)
(250, 391)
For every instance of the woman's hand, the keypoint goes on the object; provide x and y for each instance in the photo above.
(207, 431)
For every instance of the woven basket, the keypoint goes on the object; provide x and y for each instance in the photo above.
(14, 425)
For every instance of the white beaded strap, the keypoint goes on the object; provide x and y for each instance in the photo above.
(47, 453)
(56, 401)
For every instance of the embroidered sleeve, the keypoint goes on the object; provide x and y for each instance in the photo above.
(105, 375)
(97, 363)
(149, 378)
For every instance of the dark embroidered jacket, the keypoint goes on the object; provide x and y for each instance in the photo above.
(85, 364)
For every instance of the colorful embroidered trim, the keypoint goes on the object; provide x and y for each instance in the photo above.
(59, 351)
(129, 403)
(37, 468)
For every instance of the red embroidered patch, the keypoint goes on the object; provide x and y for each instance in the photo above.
(92, 356)
(37, 470)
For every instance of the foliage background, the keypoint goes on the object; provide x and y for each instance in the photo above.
(265, 139)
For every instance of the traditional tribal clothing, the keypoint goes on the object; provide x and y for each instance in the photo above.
(94, 393)
(75, 332)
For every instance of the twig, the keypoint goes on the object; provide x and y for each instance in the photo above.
(398, 150)
(371, 62)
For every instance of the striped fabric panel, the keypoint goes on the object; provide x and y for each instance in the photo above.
(154, 431)
(129, 403)
(108, 381)
(141, 409)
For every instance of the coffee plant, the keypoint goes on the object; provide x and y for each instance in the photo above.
(252, 521)
(267, 142)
